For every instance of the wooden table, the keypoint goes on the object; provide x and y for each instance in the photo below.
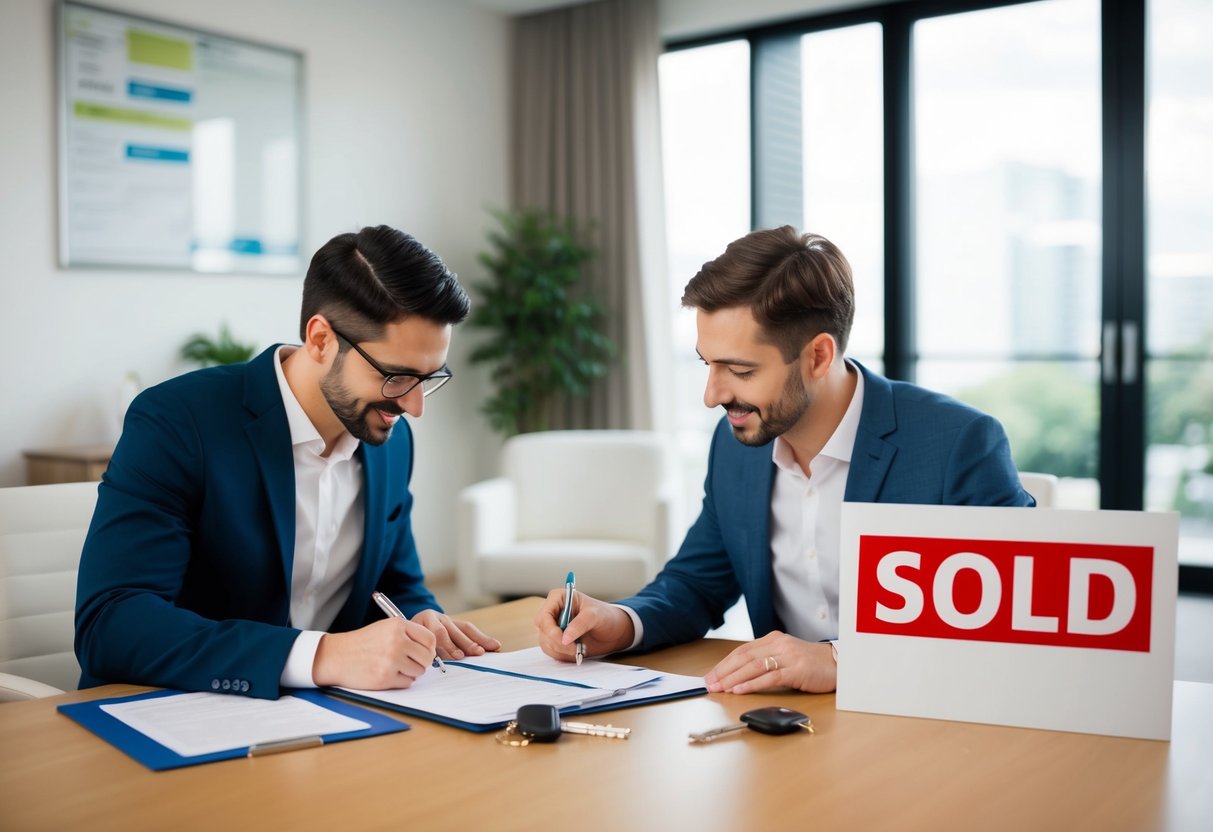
(858, 772)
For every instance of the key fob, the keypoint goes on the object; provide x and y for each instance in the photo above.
(539, 723)
(771, 720)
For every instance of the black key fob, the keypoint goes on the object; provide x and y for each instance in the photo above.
(539, 723)
(773, 720)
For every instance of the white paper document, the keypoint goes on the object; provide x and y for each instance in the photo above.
(192, 724)
(484, 691)
(591, 672)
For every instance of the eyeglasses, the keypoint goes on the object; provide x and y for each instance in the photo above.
(396, 385)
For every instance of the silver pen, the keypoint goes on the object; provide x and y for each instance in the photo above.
(393, 611)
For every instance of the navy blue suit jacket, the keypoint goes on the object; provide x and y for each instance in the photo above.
(185, 577)
(912, 446)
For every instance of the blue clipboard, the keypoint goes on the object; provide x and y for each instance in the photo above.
(160, 758)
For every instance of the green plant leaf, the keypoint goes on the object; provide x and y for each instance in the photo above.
(542, 341)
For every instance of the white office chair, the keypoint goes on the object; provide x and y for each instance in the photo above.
(1041, 486)
(598, 503)
(42, 529)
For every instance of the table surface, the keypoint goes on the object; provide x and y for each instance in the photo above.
(859, 771)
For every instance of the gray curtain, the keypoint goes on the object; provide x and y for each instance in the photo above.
(585, 143)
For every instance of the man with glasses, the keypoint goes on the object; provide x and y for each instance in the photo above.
(250, 512)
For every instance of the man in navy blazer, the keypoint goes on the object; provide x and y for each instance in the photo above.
(249, 512)
(804, 429)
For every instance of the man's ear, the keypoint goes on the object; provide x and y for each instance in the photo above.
(818, 356)
(320, 342)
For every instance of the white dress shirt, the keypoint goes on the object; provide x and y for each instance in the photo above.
(329, 530)
(806, 517)
(806, 514)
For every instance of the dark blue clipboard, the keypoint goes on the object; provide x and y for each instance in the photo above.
(160, 758)
(480, 728)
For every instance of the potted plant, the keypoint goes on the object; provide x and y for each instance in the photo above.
(544, 339)
(208, 351)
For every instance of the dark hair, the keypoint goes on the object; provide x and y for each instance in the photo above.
(796, 285)
(363, 282)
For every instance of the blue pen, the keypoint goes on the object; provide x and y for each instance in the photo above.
(566, 614)
(385, 604)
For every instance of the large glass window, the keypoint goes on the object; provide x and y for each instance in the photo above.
(1007, 138)
(1179, 291)
(1014, 277)
(844, 165)
(705, 126)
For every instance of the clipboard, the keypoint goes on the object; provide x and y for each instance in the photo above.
(569, 696)
(158, 757)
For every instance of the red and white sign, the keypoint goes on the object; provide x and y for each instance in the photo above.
(1032, 617)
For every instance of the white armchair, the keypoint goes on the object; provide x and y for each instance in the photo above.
(1041, 486)
(598, 503)
(42, 529)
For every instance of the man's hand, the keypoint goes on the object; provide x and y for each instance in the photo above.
(601, 627)
(777, 660)
(391, 653)
(455, 639)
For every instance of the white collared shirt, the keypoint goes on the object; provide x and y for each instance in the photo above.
(806, 519)
(805, 529)
(329, 530)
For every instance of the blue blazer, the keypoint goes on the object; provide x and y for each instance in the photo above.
(912, 446)
(185, 577)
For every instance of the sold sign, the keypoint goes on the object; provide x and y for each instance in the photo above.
(1063, 594)
(1034, 617)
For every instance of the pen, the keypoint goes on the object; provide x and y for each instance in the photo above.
(566, 614)
(275, 746)
(392, 611)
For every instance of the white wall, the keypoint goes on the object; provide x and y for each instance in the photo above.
(406, 125)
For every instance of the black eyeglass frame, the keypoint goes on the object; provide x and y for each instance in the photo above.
(442, 374)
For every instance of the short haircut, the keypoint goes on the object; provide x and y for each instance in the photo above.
(363, 282)
(796, 286)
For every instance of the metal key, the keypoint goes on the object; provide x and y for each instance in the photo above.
(542, 723)
(763, 720)
(595, 730)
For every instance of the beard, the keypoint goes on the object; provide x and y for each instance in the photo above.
(362, 420)
(781, 416)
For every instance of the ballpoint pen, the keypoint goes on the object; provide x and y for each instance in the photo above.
(566, 614)
(392, 611)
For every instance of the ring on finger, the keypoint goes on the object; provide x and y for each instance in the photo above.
(770, 663)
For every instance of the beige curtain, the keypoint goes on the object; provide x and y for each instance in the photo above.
(586, 143)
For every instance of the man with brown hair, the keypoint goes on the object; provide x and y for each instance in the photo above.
(810, 429)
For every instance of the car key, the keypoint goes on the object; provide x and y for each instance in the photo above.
(541, 723)
(775, 720)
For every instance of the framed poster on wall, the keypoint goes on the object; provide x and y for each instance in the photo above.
(178, 148)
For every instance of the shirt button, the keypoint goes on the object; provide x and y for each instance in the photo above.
(821, 614)
(812, 492)
(812, 554)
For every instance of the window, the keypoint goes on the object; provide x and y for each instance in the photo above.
(705, 124)
(1007, 226)
(844, 166)
(981, 163)
(1179, 290)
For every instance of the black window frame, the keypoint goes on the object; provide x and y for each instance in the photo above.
(1122, 430)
